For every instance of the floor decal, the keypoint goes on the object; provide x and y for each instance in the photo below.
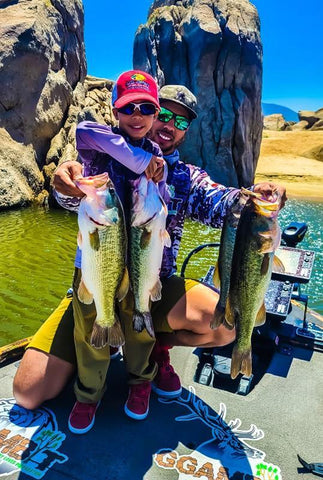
(29, 440)
(226, 455)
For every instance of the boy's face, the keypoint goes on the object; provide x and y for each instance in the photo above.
(136, 125)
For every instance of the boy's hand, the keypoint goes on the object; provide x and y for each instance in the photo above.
(159, 174)
(64, 176)
(267, 189)
(156, 165)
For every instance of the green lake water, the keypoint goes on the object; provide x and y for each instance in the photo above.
(37, 255)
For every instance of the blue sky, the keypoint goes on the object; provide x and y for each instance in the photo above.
(291, 37)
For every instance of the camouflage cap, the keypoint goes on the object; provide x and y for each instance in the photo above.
(181, 95)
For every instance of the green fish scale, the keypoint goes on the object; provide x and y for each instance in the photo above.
(139, 269)
(248, 285)
(109, 260)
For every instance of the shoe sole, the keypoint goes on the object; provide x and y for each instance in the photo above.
(164, 393)
(135, 416)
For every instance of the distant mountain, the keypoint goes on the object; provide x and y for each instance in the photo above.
(288, 114)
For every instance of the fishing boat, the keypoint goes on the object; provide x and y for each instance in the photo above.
(267, 426)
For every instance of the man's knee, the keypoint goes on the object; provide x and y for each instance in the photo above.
(40, 377)
(222, 336)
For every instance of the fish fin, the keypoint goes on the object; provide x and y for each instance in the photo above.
(265, 264)
(261, 315)
(143, 320)
(166, 239)
(138, 322)
(229, 316)
(278, 265)
(155, 293)
(145, 238)
(241, 362)
(219, 318)
(95, 239)
(216, 276)
(79, 239)
(83, 294)
(116, 335)
(124, 285)
(100, 336)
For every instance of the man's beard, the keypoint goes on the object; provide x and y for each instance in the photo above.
(171, 147)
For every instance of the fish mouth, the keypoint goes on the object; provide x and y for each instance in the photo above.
(96, 223)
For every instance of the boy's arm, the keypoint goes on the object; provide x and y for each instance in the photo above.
(93, 136)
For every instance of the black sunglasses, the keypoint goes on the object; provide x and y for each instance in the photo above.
(180, 122)
(145, 108)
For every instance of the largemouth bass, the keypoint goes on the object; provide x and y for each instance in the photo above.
(258, 236)
(148, 236)
(222, 272)
(102, 239)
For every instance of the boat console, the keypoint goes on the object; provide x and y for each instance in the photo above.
(286, 325)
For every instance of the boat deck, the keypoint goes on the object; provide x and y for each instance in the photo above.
(257, 435)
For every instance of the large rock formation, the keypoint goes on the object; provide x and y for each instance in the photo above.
(213, 47)
(42, 61)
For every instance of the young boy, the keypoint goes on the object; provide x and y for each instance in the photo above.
(113, 150)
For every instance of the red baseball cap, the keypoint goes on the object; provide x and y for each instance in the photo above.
(132, 86)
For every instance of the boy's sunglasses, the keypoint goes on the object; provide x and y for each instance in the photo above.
(165, 116)
(145, 108)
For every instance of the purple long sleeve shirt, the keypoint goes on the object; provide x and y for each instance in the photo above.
(192, 192)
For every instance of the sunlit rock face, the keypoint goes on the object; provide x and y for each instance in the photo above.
(42, 61)
(214, 48)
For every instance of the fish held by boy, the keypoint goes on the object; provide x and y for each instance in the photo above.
(258, 235)
(102, 239)
(148, 236)
(222, 272)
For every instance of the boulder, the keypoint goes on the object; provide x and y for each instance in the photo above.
(318, 125)
(310, 117)
(275, 121)
(315, 152)
(213, 47)
(42, 61)
(302, 125)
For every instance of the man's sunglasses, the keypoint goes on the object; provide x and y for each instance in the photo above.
(145, 108)
(165, 116)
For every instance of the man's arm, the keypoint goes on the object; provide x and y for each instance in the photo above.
(209, 201)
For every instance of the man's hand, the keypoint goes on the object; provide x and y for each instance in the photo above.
(267, 190)
(64, 178)
(155, 169)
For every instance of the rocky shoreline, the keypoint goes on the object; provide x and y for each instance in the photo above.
(288, 158)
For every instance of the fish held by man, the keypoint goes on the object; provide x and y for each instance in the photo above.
(258, 236)
(222, 271)
(148, 236)
(103, 242)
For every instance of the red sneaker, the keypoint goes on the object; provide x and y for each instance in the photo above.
(166, 383)
(137, 404)
(82, 417)
(114, 352)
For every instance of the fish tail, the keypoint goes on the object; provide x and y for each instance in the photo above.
(143, 320)
(116, 336)
(100, 336)
(241, 362)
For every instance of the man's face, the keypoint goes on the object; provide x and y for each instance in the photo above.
(167, 135)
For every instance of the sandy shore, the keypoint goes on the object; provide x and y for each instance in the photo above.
(282, 160)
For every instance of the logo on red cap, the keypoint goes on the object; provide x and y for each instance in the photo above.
(135, 85)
